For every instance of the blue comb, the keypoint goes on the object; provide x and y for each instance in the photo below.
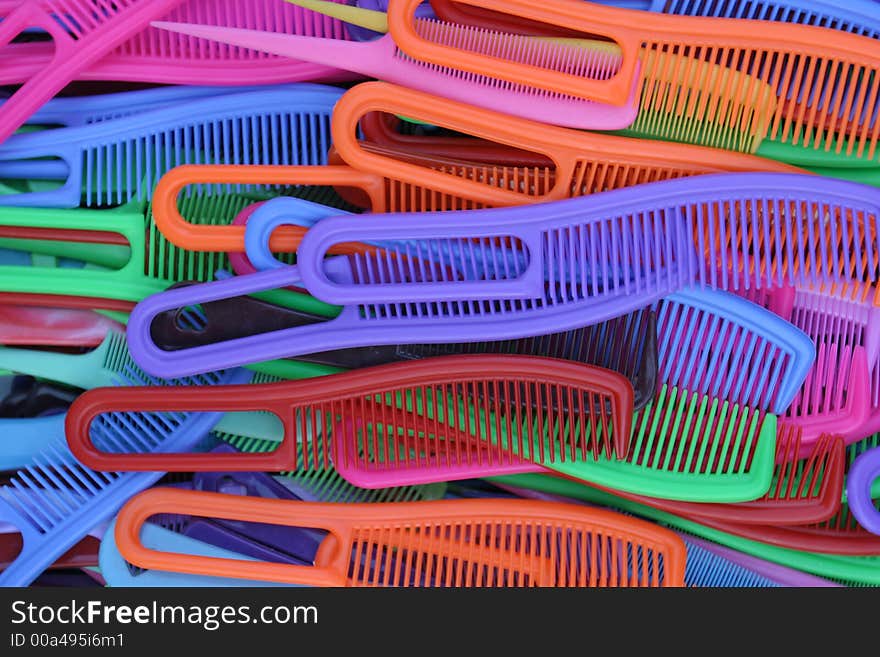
(55, 501)
(115, 161)
(719, 344)
(856, 16)
(82, 110)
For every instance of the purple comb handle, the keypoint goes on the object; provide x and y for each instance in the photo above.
(861, 476)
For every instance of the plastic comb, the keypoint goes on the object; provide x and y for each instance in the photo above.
(716, 343)
(856, 16)
(850, 570)
(55, 501)
(82, 32)
(459, 419)
(660, 103)
(708, 564)
(860, 482)
(750, 230)
(552, 310)
(150, 56)
(115, 161)
(437, 540)
(825, 81)
(381, 58)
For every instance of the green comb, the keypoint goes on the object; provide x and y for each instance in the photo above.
(852, 571)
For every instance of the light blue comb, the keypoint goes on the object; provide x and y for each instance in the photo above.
(55, 501)
(719, 344)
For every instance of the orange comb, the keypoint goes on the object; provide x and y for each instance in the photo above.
(440, 543)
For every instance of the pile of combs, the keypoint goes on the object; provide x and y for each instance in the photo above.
(460, 293)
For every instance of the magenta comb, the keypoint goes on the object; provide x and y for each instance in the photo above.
(153, 55)
(83, 32)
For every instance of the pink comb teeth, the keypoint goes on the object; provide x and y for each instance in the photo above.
(83, 31)
(153, 55)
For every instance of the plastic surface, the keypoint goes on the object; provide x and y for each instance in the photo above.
(561, 163)
(76, 44)
(802, 491)
(117, 572)
(402, 423)
(681, 104)
(800, 119)
(424, 529)
(719, 344)
(20, 325)
(115, 161)
(859, 483)
(846, 569)
(750, 230)
(149, 56)
(381, 58)
(49, 529)
(856, 16)
(357, 326)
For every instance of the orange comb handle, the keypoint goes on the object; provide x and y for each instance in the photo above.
(230, 239)
(584, 162)
(614, 90)
(461, 543)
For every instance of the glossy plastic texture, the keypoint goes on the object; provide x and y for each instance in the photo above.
(860, 481)
(815, 120)
(440, 536)
(115, 161)
(52, 526)
(381, 58)
(417, 422)
(81, 35)
(149, 56)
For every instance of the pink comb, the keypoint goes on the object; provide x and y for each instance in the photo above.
(382, 58)
(57, 327)
(154, 55)
(83, 32)
(840, 393)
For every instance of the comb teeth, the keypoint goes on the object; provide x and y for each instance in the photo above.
(514, 420)
(576, 60)
(79, 17)
(326, 484)
(678, 103)
(522, 553)
(814, 109)
(771, 242)
(817, 477)
(783, 12)
(700, 350)
(128, 168)
(707, 569)
(442, 260)
(618, 344)
(582, 264)
(53, 488)
(594, 175)
(683, 432)
(265, 15)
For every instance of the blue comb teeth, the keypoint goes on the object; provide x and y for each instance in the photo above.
(860, 17)
(119, 160)
(707, 569)
(719, 344)
(55, 501)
